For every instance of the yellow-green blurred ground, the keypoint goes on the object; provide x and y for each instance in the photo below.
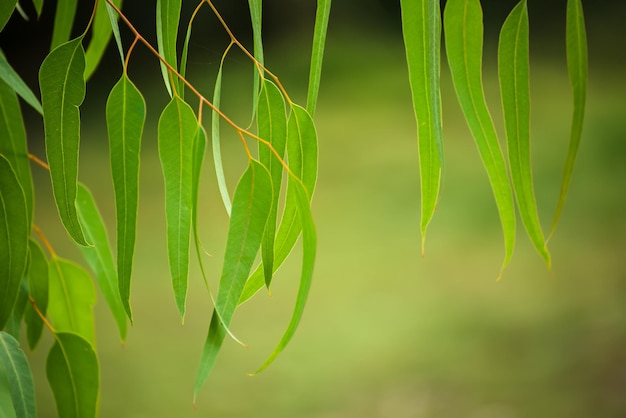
(386, 332)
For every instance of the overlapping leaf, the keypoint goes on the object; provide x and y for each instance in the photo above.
(167, 20)
(13, 79)
(74, 376)
(256, 18)
(63, 22)
(177, 129)
(126, 114)
(515, 91)
(322, 15)
(14, 325)
(100, 36)
(38, 291)
(421, 27)
(20, 379)
(62, 91)
(215, 143)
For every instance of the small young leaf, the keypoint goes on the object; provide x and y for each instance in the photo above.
(62, 91)
(74, 376)
(99, 257)
(13, 79)
(272, 122)
(251, 207)
(177, 129)
(126, 115)
(71, 298)
(421, 27)
(215, 141)
(16, 368)
(6, 10)
(576, 41)
(167, 20)
(14, 230)
(116, 29)
(63, 22)
(515, 91)
(317, 54)
(38, 291)
(100, 36)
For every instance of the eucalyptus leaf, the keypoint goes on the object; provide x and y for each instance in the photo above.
(13, 79)
(14, 324)
(256, 18)
(215, 143)
(167, 21)
(116, 29)
(6, 10)
(38, 6)
(20, 379)
(322, 15)
(6, 403)
(38, 291)
(63, 22)
(100, 36)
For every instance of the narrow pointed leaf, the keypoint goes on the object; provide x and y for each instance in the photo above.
(62, 92)
(421, 27)
(16, 368)
(126, 115)
(272, 122)
(63, 22)
(38, 6)
(167, 20)
(256, 18)
(513, 69)
(215, 143)
(71, 298)
(309, 245)
(100, 36)
(14, 230)
(14, 325)
(99, 257)
(6, 10)
(251, 207)
(13, 79)
(177, 129)
(74, 376)
(116, 29)
(38, 291)
(322, 15)
(577, 63)
(464, 45)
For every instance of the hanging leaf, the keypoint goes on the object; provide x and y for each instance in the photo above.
(63, 22)
(126, 115)
(71, 298)
(12, 78)
(14, 324)
(317, 54)
(99, 257)
(100, 36)
(272, 121)
(6, 403)
(215, 141)
(38, 291)
(463, 25)
(20, 379)
(14, 230)
(38, 6)
(256, 18)
(167, 20)
(251, 207)
(62, 91)
(421, 27)
(74, 376)
(6, 10)
(116, 29)
(576, 41)
(515, 91)
(177, 129)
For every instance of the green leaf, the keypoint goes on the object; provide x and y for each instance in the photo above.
(63, 22)
(13, 143)
(15, 365)
(167, 20)
(515, 91)
(6, 403)
(71, 298)
(177, 129)
(13, 79)
(215, 143)
(463, 25)
(421, 27)
(14, 324)
(126, 115)
(116, 29)
(38, 291)
(322, 15)
(99, 257)
(14, 230)
(74, 376)
(62, 91)
(309, 245)
(272, 127)
(256, 18)
(38, 6)
(251, 207)
(577, 63)
(100, 36)
(6, 10)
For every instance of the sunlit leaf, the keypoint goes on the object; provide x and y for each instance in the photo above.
(167, 20)
(116, 29)
(63, 22)
(576, 41)
(251, 207)
(16, 368)
(464, 46)
(14, 230)
(515, 92)
(71, 297)
(256, 18)
(272, 122)
(177, 129)
(421, 27)
(317, 53)
(125, 114)
(100, 36)
(62, 92)
(38, 291)
(74, 376)
(13, 79)
(6, 10)
(99, 257)
(215, 143)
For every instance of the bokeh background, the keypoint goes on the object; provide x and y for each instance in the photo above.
(386, 332)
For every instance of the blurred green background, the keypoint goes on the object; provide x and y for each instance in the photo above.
(386, 333)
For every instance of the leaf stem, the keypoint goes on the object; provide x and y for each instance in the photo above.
(45, 241)
(41, 315)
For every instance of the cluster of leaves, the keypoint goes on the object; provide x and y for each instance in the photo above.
(47, 290)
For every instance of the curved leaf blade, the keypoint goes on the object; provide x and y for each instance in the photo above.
(215, 143)
(62, 92)
(38, 291)
(15, 365)
(13, 79)
(63, 22)
(322, 15)
(6, 10)
(100, 36)
(167, 21)
(14, 324)
(513, 68)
